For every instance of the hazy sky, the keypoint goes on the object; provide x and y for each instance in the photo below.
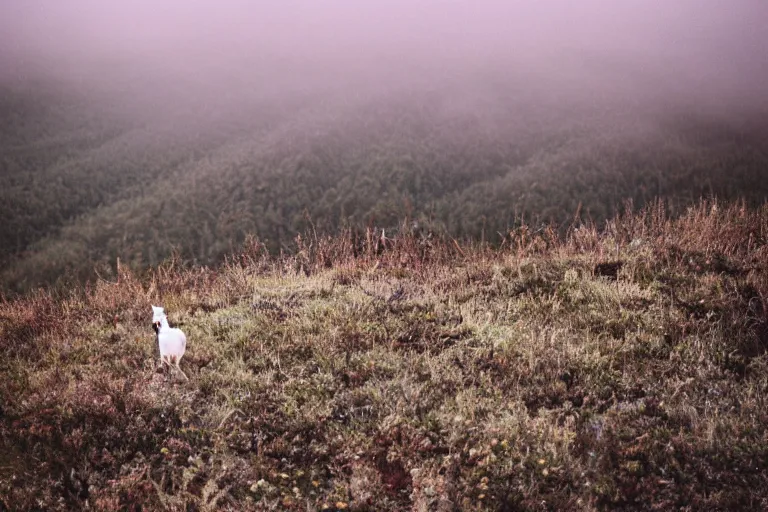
(716, 50)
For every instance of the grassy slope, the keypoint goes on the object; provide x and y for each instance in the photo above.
(417, 376)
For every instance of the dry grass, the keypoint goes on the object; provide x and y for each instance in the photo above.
(622, 368)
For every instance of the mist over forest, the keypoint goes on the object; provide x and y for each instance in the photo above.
(135, 129)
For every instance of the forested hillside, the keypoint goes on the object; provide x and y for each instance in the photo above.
(86, 180)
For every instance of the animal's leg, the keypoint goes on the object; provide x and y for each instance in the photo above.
(166, 372)
(182, 372)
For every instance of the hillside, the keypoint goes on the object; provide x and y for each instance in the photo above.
(620, 368)
(88, 177)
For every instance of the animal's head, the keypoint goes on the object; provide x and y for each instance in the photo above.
(158, 314)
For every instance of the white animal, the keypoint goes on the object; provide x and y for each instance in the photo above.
(173, 342)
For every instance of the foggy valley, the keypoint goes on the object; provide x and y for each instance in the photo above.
(133, 129)
(352, 255)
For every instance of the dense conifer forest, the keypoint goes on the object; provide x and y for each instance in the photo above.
(86, 180)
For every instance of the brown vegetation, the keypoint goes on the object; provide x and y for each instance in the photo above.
(622, 368)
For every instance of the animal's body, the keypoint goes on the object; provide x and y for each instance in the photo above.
(172, 341)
